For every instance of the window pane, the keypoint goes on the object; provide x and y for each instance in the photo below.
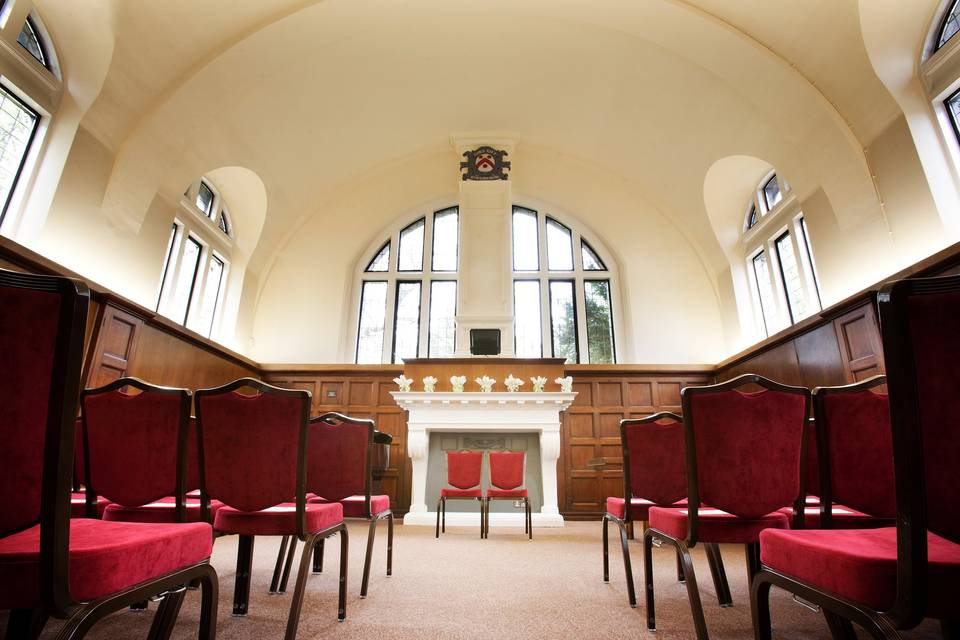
(411, 247)
(804, 240)
(28, 40)
(792, 279)
(559, 247)
(591, 261)
(186, 277)
(17, 125)
(204, 198)
(765, 291)
(166, 263)
(443, 308)
(599, 321)
(445, 236)
(563, 320)
(381, 261)
(951, 24)
(771, 193)
(211, 296)
(373, 309)
(223, 223)
(526, 246)
(406, 327)
(752, 217)
(526, 319)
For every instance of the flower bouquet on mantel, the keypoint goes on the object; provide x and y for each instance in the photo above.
(513, 383)
(403, 382)
(428, 384)
(539, 382)
(486, 383)
(566, 384)
(457, 382)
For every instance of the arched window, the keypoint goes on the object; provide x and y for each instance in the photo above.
(408, 292)
(196, 262)
(780, 263)
(949, 25)
(30, 40)
(562, 293)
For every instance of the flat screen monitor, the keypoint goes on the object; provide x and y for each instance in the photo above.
(485, 342)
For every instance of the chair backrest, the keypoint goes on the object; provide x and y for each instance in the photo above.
(192, 482)
(920, 325)
(744, 448)
(463, 468)
(855, 449)
(507, 469)
(41, 354)
(135, 443)
(811, 459)
(654, 464)
(253, 447)
(339, 457)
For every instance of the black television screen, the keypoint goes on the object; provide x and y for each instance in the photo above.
(485, 342)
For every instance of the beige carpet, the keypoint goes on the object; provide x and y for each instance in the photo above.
(464, 587)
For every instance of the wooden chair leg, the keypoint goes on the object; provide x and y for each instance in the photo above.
(371, 535)
(342, 595)
(630, 530)
(439, 503)
(25, 624)
(390, 544)
(318, 557)
(285, 578)
(278, 567)
(719, 574)
(241, 589)
(529, 519)
(752, 553)
(627, 569)
(166, 615)
(209, 597)
(296, 602)
(693, 592)
(840, 627)
(484, 518)
(760, 607)
(606, 549)
(648, 578)
(680, 577)
(443, 521)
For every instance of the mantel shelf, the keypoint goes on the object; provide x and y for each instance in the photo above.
(557, 400)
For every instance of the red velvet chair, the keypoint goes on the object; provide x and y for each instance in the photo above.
(253, 452)
(463, 476)
(743, 460)
(891, 578)
(136, 447)
(340, 463)
(507, 471)
(659, 478)
(81, 569)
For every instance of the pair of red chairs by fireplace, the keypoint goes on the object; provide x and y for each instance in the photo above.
(464, 471)
(51, 565)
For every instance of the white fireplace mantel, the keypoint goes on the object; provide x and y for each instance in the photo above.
(526, 412)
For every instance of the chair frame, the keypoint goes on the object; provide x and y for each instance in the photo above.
(910, 602)
(752, 550)
(183, 431)
(241, 596)
(442, 504)
(824, 474)
(527, 511)
(56, 599)
(281, 571)
(713, 552)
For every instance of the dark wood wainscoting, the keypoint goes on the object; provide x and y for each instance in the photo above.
(363, 392)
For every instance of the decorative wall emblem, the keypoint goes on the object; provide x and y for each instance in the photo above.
(485, 163)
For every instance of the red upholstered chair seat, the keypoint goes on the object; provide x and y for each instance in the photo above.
(715, 525)
(280, 520)
(507, 493)
(353, 507)
(843, 517)
(105, 557)
(861, 564)
(639, 507)
(163, 510)
(460, 493)
(78, 505)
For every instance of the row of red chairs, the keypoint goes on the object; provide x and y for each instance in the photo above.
(507, 473)
(855, 511)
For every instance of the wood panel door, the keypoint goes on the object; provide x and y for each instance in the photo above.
(861, 348)
(117, 337)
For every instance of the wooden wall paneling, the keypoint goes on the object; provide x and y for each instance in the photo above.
(117, 339)
(861, 349)
(819, 358)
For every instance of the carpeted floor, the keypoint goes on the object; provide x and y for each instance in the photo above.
(462, 587)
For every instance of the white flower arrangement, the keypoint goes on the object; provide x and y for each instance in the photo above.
(513, 383)
(403, 382)
(539, 382)
(428, 384)
(457, 382)
(486, 383)
(566, 384)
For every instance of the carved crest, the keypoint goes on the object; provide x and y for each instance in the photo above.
(485, 163)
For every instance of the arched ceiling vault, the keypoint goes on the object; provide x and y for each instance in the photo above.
(309, 95)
